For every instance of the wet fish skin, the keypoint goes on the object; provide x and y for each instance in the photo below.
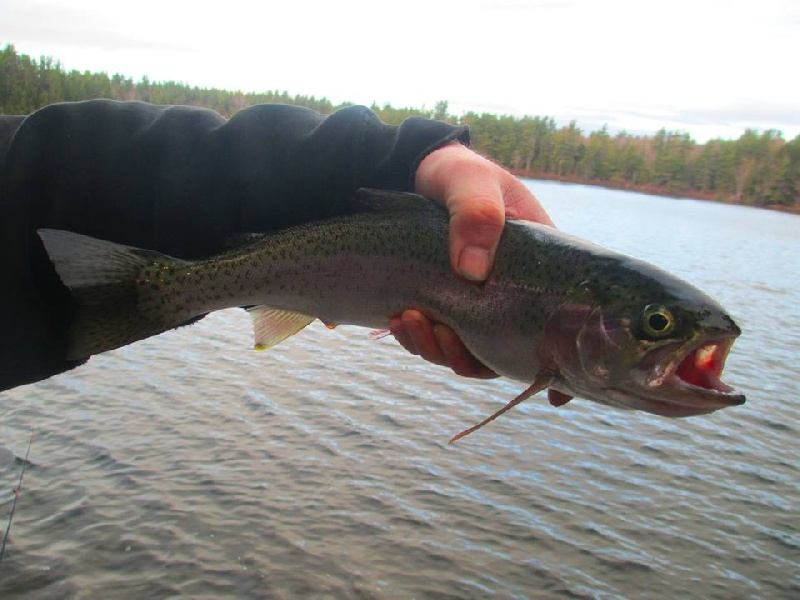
(556, 310)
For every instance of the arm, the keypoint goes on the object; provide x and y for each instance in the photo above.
(179, 180)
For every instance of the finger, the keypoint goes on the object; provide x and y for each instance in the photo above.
(477, 217)
(458, 357)
(401, 335)
(420, 330)
(478, 195)
(468, 185)
(414, 331)
(474, 198)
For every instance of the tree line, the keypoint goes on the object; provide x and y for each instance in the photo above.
(759, 168)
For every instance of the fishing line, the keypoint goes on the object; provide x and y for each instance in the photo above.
(16, 497)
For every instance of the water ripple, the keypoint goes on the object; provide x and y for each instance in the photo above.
(188, 465)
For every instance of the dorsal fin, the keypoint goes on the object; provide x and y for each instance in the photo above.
(238, 240)
(367, 200)
(364, 200)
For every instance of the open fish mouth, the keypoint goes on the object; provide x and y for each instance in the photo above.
(701, 368)
(689, 381)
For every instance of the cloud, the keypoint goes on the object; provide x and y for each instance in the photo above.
(746, 114)
(711, 68)
(528, 5)
(703, 124)
(729, 121)
(54, 24)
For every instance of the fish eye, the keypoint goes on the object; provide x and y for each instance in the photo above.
(657, 320)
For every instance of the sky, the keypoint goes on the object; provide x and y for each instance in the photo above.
(710, 68)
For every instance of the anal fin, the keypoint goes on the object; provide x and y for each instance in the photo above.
(271, 325)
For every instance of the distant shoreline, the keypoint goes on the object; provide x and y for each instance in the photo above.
(758, 169)
(653, 190)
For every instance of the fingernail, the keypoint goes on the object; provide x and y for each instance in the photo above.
(473, 263)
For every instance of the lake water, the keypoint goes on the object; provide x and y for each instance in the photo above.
(188, 465)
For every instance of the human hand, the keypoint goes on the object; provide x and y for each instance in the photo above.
(479, 196)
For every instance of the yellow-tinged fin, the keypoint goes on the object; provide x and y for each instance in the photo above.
(271, 325)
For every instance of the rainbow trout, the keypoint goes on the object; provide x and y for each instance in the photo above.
(557, 312)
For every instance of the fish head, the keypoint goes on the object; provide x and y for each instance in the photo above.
(648, 342)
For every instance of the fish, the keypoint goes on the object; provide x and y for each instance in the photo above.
(557, 312)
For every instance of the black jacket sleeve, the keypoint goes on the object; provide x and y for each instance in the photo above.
(180, 180)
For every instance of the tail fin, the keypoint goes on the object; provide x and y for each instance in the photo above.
(114, 306)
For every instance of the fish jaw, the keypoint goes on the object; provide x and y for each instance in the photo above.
(686, 380)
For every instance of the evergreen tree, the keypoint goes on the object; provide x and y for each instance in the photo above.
(759, 168)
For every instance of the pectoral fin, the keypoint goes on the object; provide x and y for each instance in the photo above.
(271, 326)
(543, 379)
(557, 398)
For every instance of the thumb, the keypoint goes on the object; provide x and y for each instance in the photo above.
(477, 217)
(469, 186)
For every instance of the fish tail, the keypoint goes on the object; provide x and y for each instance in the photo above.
(117, 300)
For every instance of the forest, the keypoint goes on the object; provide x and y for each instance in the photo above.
(760, 168)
